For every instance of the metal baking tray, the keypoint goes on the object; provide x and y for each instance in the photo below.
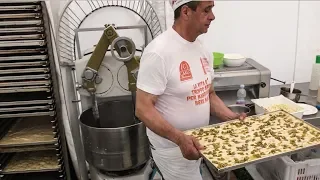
(23, 51)
(30, 131)
(31, 102)
(20, 8)
(28, 162)
(25, 83)
(24, 64)
(32, 114)
(20, 15)
(28, 148)
(23, 58)
(5, 125)
(25, 77)
(19, 23)
(22, 43)
(22, 30)
(22, 71)
(25, 89)
(22, 37)
(259, 160)
(26, 108)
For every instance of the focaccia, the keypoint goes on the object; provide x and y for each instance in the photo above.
(256, 137)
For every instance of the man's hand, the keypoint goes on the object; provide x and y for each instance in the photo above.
(190, 147)
(241, 116)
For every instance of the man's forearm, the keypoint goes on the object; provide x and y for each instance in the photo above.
(218, 108)
(155, 122)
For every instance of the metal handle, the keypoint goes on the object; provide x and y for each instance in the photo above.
(283, 82)
(124, 46)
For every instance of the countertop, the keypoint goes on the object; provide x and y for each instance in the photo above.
(312, 119)
(228, 98)
(312, 100)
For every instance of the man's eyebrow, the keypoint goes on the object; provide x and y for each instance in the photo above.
(209, 7)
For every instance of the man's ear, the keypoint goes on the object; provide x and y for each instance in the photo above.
(185, 13)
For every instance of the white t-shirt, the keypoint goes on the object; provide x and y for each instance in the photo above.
(180, 73)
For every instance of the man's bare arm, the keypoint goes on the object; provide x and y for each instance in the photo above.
(149, 115)
(218, 107)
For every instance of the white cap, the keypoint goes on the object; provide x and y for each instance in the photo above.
(177, 3)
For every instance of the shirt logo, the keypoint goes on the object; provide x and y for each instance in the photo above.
(185, 71)
(205, 65)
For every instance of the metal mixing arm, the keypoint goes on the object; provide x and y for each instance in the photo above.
(126, 50)
(90, 74)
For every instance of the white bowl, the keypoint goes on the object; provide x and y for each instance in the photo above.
(233, 60)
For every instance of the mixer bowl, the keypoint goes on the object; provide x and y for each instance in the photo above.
(120, 143)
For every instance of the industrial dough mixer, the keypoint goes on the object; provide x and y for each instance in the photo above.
(99, 64)
(114, 140)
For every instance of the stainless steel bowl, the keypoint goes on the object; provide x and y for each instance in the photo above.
(120, 143)
(239, 109)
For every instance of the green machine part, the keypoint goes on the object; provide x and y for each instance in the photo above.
(91, 71)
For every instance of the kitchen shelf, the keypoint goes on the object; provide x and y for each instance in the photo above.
(32, 137)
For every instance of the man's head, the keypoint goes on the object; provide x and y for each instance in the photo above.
(195, 15)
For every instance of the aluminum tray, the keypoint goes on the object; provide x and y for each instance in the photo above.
(259, 160)
(18, 16)
(23, 51)
(25, 77)
(18, 23)
(23, 71)
(5, 125)
(21, 30)
(30, 132)
(31, 102)
(21, 37)
(25, 83)
(31, 162)
(20, 8)
(33, 114)
(25, 89)
(28, 148)
(23, 58)
(26, 108)
(22, 43)
(24, 64)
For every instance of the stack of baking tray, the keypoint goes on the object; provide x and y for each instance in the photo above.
(31, 132)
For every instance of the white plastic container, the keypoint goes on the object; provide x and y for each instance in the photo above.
(262, 104)
(315, 75)
(284, 168)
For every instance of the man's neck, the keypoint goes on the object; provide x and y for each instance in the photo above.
(185, 32)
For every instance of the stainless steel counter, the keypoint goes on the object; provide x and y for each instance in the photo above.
(229, 97)
(312, 119)
(304, 87)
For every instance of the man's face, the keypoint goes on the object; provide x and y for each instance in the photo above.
(202, 17)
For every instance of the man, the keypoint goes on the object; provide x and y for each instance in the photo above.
(174, 91)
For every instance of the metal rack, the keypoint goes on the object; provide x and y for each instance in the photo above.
(32, 139)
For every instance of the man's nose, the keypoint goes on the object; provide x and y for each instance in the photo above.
(212, 16)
